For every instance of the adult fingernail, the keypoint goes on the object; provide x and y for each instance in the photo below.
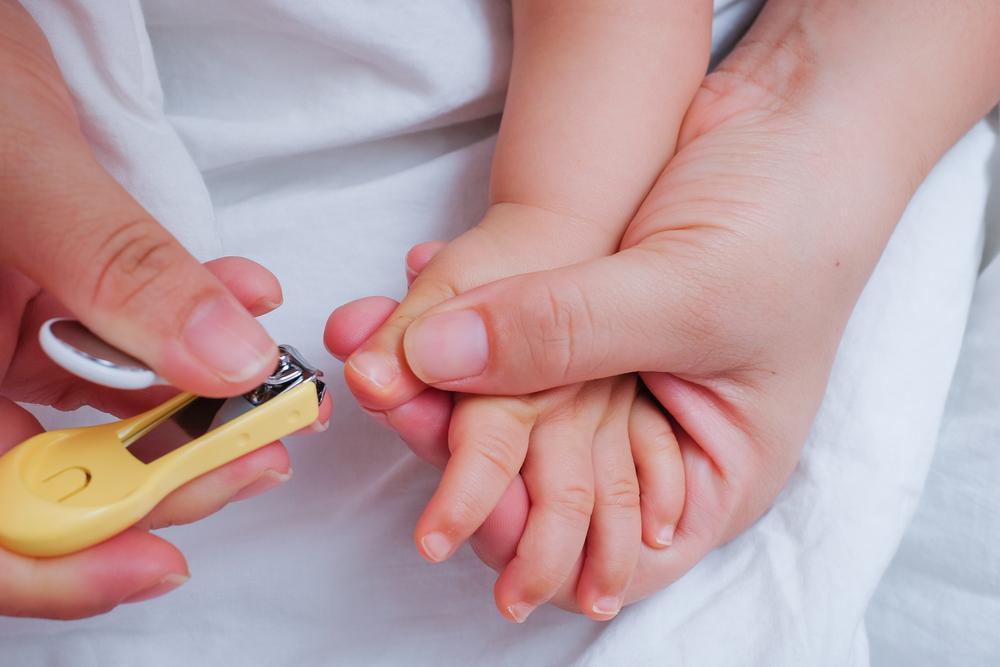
(262, 306)
(607, 606)
(224, 337)
(666, 536)
(164, 586)
(268, 480)
(449, 346)
(378, 369)
(436, 547)
(520, 611)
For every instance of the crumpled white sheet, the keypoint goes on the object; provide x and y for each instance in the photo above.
(322, 139)
(939, 603)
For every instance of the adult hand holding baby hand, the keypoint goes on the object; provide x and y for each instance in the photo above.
(559, 196)
(738, 273)
(74, 243)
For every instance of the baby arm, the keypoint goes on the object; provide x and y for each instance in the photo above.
(596, 97)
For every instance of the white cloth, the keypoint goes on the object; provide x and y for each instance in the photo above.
(939, 603)
(323, 139)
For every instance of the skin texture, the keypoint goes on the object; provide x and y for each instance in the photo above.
(563, 188)
(735, 278)
(75, 244)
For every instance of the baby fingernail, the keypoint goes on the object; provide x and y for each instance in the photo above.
(319, 426)
(449, 346)
(268, 480)
(436, 547)
(520, 611)
(378, 369)
(223, 336)
(165, 585)
(666, 536)
(607, 606)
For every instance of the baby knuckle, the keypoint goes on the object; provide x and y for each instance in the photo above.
(463, 513)
(573, 503)
(499, 452)
(544, 580)
(658, 441)
(135, 256)
(621, 492)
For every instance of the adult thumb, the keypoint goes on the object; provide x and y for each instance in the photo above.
(547, 329)
(70, 227)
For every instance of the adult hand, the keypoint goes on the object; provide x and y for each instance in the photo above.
(740, 270)
(73, 243)
(134, 565)
(72, 230)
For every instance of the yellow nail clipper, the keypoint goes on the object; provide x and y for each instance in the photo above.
(69, 489)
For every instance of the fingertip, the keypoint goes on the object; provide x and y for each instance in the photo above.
(420, 255)
(660, 470)
(603, 608)
(662, 537)
(423, 424)
(374, 378)
(267, 480)
(434, 546)
(657, 533)
(324, 414)
(256, 288)
(268, 466)
(517, 612)
(222, 351)
(521, 588)
(167, 584)
(132, 546)
(353, 323)
(130, 567)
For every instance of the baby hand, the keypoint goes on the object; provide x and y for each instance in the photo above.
(730, 292)
(595, 449)
(594, 104)
(586, 453)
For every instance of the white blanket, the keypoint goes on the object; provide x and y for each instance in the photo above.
(323, 139)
